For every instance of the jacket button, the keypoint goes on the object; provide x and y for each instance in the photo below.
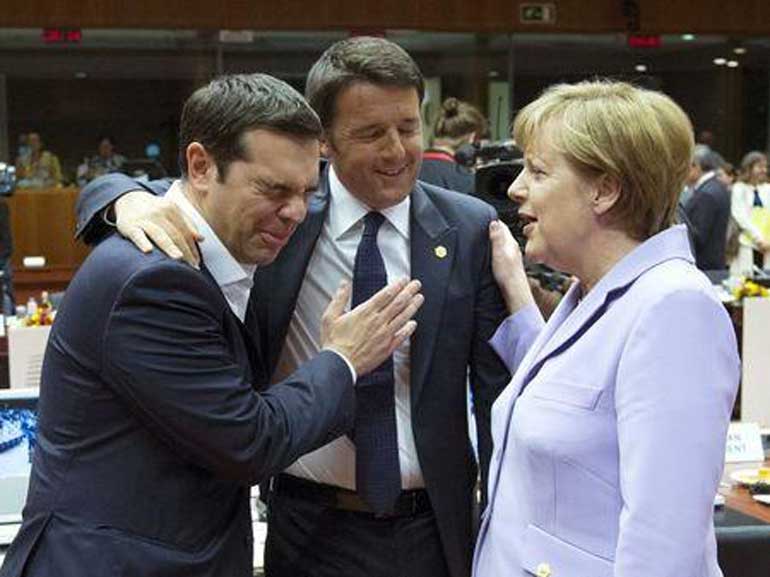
(543, 570)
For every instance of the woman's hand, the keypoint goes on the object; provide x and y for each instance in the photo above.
(508, 268)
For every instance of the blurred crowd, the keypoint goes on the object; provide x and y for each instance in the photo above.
(728, 210)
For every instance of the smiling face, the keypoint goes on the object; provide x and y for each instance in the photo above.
(257, 206)
(555, 206)
(375, 142)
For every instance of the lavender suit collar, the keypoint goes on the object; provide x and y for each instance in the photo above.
(572, 315)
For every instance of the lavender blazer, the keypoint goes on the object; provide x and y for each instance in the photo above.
(609, 440)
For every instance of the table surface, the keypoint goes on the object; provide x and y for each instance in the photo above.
(738, 497)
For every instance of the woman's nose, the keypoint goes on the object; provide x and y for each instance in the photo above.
(517, 190)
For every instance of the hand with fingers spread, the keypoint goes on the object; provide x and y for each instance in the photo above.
(146, 219)
(508, 268)
(369, 334)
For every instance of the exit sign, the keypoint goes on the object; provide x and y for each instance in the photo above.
(639, 41)
(62, 35)
(537, 13)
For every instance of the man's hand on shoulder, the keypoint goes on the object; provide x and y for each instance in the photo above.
(146, 219)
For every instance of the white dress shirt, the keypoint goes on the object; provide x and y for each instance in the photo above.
(331, 263)
(234, 279)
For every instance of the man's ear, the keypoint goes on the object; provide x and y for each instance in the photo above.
(605, 194)
(201, 168)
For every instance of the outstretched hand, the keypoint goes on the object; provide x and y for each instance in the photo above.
(370, 333)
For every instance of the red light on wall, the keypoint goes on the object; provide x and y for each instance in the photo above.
(73, 35)
(62, 35)
(636, 41)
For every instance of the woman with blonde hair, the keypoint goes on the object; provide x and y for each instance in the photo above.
(609, 440)
(750, 209)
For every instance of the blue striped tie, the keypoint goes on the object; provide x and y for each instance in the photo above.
(378, 475)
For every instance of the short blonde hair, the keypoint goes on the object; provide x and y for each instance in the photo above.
(640, 137)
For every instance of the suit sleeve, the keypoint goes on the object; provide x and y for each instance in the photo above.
(675, 389)
(701, 211)
(488, 375)
(101, 193)
(515, 336)
(167, 354)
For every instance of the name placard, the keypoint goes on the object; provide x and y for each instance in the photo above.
(744, 443)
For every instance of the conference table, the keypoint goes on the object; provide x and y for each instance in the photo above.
(742, 529)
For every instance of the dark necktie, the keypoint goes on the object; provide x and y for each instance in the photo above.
(378, 475)
(757, 200)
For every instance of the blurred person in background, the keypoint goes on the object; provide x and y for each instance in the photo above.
(609, 440)
(750, 207)
(726, 173)
(40, 168)
(458, 124)
(104, 162)
(708, 211)
(22, 149)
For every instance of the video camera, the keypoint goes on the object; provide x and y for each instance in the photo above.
(497, 164)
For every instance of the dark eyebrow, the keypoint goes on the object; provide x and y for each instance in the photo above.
(270, 184)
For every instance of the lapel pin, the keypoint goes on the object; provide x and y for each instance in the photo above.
(440, 251)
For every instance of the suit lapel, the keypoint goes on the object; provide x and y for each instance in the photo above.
(670, 244)
(433, 243)
(532, 361)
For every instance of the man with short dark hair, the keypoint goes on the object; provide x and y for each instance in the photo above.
(708, 211)
(395, 497)
(152, 426)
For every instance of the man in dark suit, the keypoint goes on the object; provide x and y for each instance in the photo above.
(325, 516)
(708, 212)
(150, 428)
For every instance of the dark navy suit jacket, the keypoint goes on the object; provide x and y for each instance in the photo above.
(462, 310)
(151, 431)
(708, 210)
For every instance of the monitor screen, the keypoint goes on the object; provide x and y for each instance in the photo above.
(18, 435)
